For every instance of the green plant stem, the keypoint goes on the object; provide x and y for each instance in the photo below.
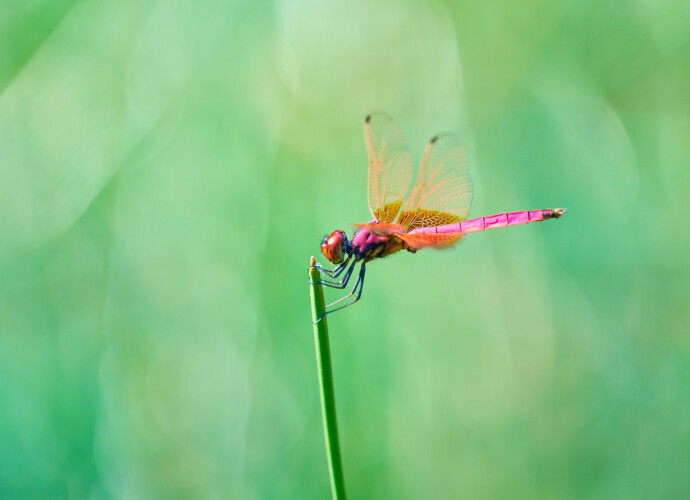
(323, 362)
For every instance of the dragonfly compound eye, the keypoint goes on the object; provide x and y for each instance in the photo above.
(333, 245)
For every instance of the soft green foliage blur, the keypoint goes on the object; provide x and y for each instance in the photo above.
(168, 167)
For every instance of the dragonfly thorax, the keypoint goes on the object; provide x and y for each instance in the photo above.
(336, 246)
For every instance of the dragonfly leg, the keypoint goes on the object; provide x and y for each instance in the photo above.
(333, 273)
(339, 284)
(359, 283)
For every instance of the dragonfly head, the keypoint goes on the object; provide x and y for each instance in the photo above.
(335, 246)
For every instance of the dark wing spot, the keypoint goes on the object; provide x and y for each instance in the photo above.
(434, 139)
(366, 120)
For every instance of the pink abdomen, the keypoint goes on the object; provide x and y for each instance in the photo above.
(494, 221)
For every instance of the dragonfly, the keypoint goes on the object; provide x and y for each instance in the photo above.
(432, 213)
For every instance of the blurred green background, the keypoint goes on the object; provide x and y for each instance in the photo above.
(168, 167)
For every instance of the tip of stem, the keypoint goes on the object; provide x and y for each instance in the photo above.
(312, 262)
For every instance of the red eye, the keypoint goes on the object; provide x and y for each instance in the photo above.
(332, 247)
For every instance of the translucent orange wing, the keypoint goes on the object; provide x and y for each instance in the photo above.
(390, 166)
(418, 241)
(381, 228)
(443, 191)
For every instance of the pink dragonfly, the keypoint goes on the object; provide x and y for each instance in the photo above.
(433, 214)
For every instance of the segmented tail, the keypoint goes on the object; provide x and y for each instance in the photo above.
(494, 221)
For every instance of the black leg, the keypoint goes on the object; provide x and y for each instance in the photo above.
(359, 283)
(333, 273)
(343, 282)
(360, 277)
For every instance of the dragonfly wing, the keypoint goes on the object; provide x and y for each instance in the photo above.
(418, 241)
(381, 228)
(442, 193)
(390, 166)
